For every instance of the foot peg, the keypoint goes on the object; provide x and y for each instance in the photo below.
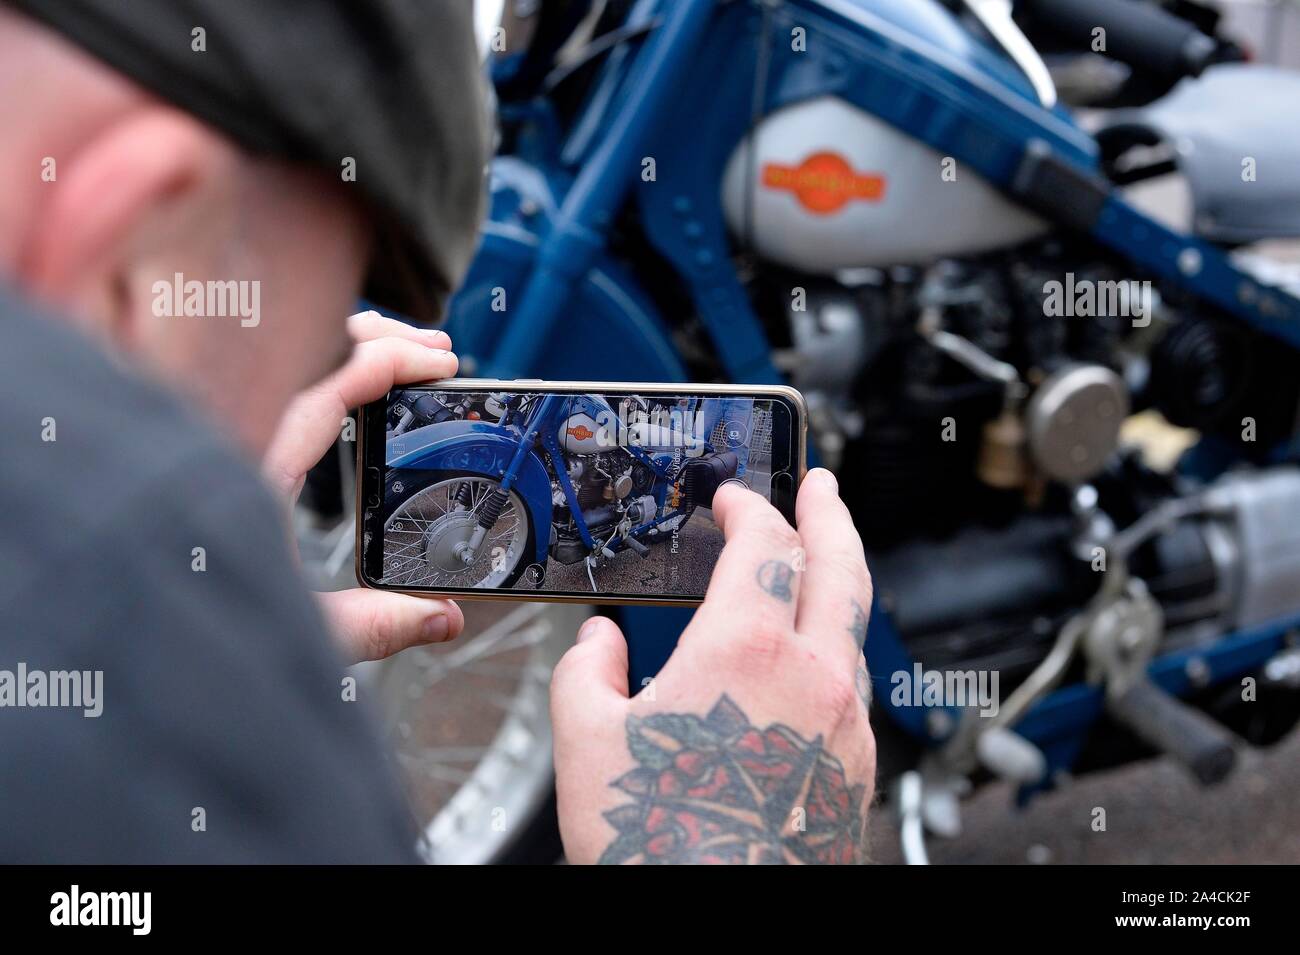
(1120, 643)
(1171, 726)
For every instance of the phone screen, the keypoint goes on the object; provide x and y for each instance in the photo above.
(565, 492)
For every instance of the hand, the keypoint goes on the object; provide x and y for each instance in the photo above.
(370, 624)
(753, 743)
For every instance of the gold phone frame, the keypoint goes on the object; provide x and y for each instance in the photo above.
(799, 429)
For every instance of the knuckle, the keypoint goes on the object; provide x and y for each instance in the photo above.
(397, 353)
(869, 756)
(760, 650)
(837, 702)
(564, 669)
(372, 350)
(785, 536)
(572, 705)
(569, 674)
(376, 624)
(776, 538)
(852, 568)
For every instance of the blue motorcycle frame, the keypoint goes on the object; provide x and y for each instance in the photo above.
(685, 89)
(521, 453)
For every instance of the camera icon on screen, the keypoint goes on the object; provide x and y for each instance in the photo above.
(735, 434)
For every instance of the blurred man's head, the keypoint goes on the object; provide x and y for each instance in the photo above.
(226, 273)
(110, 191)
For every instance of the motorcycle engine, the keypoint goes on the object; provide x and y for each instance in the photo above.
(971, 418)
(609, 486)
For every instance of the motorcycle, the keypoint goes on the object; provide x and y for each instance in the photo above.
(471, 502)
(883, 204)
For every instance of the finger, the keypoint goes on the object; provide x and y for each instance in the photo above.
(367, 326)
(376, 366)
(373, 624)
(312, 423)
(589, 707)
(836, 596)
(591, 677)
(755, 580)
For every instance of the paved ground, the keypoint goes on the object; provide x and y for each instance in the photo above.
(680, 566)
(1154, 815)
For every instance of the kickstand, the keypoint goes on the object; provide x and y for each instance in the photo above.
(590, 576)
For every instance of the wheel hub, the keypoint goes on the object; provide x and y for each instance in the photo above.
(446, 540)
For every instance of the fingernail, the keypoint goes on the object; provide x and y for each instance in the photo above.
(436, 628)
(437, 337)
(825, 476)
(589, 629)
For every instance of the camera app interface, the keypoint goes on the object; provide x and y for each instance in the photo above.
(564, 493)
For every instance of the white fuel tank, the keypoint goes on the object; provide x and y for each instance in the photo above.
(580, 433)
(831, 187)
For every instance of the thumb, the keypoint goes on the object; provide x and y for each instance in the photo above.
(373, 624)
(592, 673)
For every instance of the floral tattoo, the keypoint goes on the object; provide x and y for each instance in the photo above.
(717, 789)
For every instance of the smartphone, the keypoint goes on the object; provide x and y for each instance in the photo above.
(593, 492)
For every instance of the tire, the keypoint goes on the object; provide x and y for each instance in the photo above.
(417, 711)
(437, 726)
(413, 481)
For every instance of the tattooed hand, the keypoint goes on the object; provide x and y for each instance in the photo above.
(753, 743)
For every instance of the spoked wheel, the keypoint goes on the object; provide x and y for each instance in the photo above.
(431, 522)
(471, 727)
(469, 721)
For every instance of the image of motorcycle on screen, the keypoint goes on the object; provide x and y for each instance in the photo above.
(491, 490)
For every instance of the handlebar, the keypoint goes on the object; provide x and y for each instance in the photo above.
(1137, 32)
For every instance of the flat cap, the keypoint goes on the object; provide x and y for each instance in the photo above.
(394, 85)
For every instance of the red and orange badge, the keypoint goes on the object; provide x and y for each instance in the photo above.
(824, 183)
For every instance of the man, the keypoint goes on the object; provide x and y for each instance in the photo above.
(179, 240)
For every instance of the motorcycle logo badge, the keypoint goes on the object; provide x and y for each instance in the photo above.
(824, 183)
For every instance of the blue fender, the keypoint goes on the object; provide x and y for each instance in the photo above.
(479, 448)
(610, 330)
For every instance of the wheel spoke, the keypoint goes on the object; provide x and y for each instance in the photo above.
(409, 551)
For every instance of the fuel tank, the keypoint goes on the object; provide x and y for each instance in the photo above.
(591, 426)
(821, 186)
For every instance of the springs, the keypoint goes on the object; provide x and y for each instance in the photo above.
(493, 505)
(465, 496)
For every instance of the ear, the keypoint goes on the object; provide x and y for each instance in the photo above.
(110, 193)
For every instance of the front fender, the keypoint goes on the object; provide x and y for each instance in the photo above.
(610, 331)
(479, 448)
